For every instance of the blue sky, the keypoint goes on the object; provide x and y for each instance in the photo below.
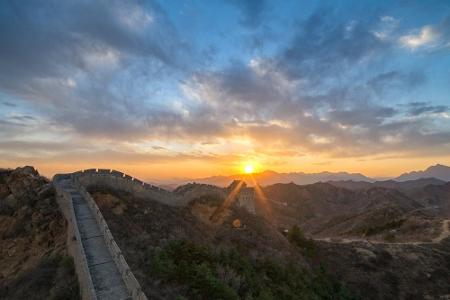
(289, 85)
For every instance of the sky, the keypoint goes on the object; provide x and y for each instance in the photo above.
(192, 88)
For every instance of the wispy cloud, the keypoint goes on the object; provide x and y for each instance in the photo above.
(427, 36)
(386, 27)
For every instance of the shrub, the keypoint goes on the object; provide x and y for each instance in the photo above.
(229, 274)
(53, 278)
(296, 237)
(378, 229)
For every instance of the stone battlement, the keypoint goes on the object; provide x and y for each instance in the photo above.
(120, 181)
(102, 270)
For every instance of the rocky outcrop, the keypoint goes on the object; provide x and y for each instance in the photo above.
(32, 238)
(390, 271)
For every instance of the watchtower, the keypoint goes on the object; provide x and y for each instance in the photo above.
(245, 196)
(246, 199)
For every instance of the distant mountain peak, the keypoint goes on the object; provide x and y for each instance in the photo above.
(268, 177)
(437, 171)
(268, 172)
(436, 167)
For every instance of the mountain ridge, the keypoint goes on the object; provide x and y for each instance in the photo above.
(268, 177)
(437, 171)
(435, 174)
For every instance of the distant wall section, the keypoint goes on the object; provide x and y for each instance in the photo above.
(120, 181)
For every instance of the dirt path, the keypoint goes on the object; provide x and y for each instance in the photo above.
(445, 231)
(444, 234)
(352, 240)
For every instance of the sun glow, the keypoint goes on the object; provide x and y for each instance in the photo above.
(248, 169)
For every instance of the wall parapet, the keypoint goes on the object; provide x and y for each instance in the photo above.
(130, 280)
(118, 180)
(75, 246)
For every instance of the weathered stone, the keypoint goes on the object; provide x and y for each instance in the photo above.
(27, 170)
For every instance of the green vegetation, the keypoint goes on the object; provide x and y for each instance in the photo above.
(296, 237)
(53, 278)
(227, 274)
(368, 231)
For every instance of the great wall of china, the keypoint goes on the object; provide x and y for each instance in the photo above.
(102, 270)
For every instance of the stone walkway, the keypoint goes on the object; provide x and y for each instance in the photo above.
(108, 282)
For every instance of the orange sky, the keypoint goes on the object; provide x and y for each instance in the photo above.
(197, 168)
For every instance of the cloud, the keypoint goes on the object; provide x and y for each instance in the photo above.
(40, 44)
(366, 117)
(291, 100)
(241, 101)
(8, 104)
(88, 65)
(325, 44)
(386, 27)
(422, 108)
(396, 79)
(427, 36)
(119, 74)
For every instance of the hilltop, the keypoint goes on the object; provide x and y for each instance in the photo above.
(33, 253)
(437, 171)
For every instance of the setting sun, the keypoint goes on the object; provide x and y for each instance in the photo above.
(248, 169)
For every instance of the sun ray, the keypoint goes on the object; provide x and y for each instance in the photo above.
(263, 201)
(227, 202)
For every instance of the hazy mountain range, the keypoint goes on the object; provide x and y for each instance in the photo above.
(349, 180)
(438, 171)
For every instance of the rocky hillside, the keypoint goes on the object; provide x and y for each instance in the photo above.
(434, 196)
(213, 249)
(183, 253)
(326, 210)
(33, 261)
(390, 271)
(391, 184)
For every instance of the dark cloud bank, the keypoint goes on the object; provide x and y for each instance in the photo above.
(96, 69)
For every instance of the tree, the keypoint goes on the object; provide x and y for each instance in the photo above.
(297, 237)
